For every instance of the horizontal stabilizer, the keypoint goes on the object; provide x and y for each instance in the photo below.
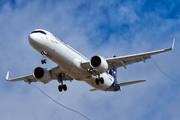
(94, 89)
(129, 83)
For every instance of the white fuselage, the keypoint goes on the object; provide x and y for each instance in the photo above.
(68, 59)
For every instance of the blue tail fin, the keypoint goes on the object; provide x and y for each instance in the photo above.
(113, 73)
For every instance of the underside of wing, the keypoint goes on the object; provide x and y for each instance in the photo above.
(50, 74)
(27, 78)
(56, 71)
(130, 59)
(122, 61)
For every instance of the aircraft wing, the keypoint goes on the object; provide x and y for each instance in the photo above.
(31, 78)
(27, 78)
(122, 61)
(55, 71)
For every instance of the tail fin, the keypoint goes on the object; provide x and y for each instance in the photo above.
(113, 73)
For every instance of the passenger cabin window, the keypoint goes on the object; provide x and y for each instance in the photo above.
(39, 31)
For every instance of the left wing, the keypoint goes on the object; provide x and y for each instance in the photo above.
(129, 59)
(30, 78)
(27, 78)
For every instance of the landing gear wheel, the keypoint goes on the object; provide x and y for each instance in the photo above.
(60, 88)
(64, 87)
(101, 80)
(43, 61)
(44, 53)
(97, 81)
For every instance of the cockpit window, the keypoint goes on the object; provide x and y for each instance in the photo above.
(39, 31)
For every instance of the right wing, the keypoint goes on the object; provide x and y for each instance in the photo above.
(130, 59)
(30, 78)
(122, 61)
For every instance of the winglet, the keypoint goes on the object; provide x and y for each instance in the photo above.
(172, 47)
(7, 76)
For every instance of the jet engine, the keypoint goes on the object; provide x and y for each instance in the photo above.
(99, 64)
(42, 75)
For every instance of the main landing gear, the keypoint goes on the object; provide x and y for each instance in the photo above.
(60, 80)
(44, 61)
(62, 87)
(99, 80)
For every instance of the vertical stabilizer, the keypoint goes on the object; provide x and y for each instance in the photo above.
(113, 73)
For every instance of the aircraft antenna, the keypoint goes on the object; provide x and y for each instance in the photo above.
(60, 103)
(164, 72)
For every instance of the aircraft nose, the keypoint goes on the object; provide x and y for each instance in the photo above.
(33, 39)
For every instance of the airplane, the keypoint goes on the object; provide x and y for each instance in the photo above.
(98, 72)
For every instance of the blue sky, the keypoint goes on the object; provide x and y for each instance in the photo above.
(93, 28)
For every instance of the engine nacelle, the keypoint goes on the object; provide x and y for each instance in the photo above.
(42, 75)
(99, 64)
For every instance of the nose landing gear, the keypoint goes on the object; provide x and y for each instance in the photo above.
(44, 61)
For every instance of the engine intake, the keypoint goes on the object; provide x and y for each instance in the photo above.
(99, 64)
(42, 75)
